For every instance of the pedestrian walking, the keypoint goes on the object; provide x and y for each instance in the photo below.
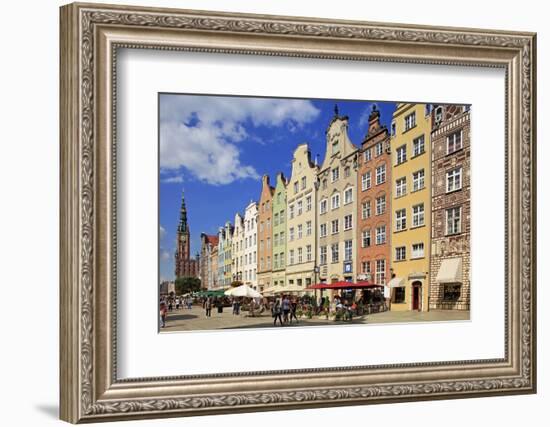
(189, 303)
(236, 307)
(219, 305)
(208, 307)
(162, 314)
(293, 308)
(276, 313)
(177, 303)
(286, 308)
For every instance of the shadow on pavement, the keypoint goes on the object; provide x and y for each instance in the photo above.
(173, 318)
(303, 323)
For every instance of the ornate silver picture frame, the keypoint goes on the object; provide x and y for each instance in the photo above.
(91, 390)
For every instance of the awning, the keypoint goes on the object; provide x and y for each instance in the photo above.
(396, 282)
(450, 271)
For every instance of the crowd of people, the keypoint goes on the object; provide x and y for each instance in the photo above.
(284, 309)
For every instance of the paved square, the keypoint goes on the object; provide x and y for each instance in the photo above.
(196, 320)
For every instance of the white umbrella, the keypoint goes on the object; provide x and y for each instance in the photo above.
(243, 291)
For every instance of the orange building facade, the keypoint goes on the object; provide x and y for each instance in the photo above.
(265, 246)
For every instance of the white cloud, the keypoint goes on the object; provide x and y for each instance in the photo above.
(162, 232)
(177, 179)
(202, 134)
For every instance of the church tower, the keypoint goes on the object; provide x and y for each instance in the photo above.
(184, 265)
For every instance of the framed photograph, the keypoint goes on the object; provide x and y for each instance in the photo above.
(267, 213)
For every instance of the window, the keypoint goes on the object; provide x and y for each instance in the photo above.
(268, 223)
(308, 203)
(367, 155)
(276, 240)
(400, 253)
(300, 205)
(291, 257)
(281, 217)
(275, 222)
(381, 174)
(454, 180)
(335, 147)
(418, 146)
(334, 252)
(268, 262)
(335, 201)
(400, 187)
(401, 154)
(417, 250)
(418, 215)
(323, 206)
(295, 187)
(291, 234)
(418, 180)
(261, 245)
(365, 210)
(365, 238)
(381, 205)
(303, 183)
(451, 292)
(380, 271)
(453, 220)
(348, 250)
(335, 225)
(268, 242)
(300, 234)
(454, 142)
(381, 235)
(365, 267)
(300, 258)
(281, 260)
(393, 131)
(335, 174)
(347, 172)
(348, 196)
(348, 222)
(324, 184)
(279, 195)
(308, 228)
(410, 121)
(262, 224)
(323, 255)
(365, 181)
(291, 211)
(281, 237)
(308, 253)
(267, 205)
(378, 149)
(400, 220)
(399, 295)
(427, 109)
(323, 230)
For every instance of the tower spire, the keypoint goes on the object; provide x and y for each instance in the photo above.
(182, 227)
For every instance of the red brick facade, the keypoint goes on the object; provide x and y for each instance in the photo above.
(368, 191)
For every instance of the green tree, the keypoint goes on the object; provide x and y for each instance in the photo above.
(187, 284)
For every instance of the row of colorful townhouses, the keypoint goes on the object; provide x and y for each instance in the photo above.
(394, 211)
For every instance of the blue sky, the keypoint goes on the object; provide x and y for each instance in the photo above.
(216, 149)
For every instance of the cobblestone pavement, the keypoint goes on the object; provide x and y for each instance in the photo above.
(196, 320)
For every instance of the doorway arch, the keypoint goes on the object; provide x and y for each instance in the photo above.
(416, 298)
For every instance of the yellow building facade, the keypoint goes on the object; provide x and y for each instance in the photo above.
(410, 207)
